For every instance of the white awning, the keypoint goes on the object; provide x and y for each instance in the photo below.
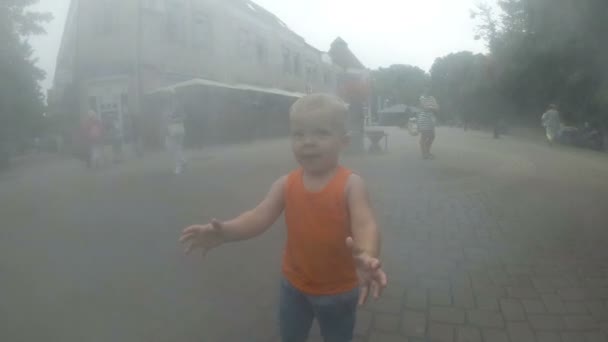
(203, 82)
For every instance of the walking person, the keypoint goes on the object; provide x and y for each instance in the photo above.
(552, 123)
(92, 132)
(175, 138)
(426, 125)
(116, 137)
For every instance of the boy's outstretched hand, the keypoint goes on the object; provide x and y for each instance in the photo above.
(206, 236)
(371, 276)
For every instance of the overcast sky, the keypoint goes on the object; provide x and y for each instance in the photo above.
(380, 32)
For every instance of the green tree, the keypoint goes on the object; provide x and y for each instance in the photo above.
(549, 51)
(462, 83)
(400, 83)
(21, 100)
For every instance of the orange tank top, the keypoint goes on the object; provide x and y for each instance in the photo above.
(316, 259)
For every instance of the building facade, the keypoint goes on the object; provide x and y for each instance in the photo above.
(113, 52)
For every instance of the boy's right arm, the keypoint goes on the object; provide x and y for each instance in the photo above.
(246, 226)
(256, 221)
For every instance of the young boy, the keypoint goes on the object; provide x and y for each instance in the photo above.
(330, 262)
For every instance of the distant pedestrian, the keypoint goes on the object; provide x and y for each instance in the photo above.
(92, 133)
(330, 263)
(116, 137)
(552, 123)
(426, 124)
(137, 131)
(175, 138)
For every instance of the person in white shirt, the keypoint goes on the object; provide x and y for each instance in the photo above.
(426, 124)
(552, 123)
(175, 137)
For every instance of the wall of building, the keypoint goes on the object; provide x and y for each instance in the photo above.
(113, 47)
(221, 41)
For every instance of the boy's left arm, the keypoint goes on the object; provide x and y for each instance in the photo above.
(365, 241)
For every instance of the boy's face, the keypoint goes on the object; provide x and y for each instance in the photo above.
(317, 139)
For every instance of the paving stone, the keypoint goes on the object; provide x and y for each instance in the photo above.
(533, 306)
(434, 283)
(596, 336)
(468, 334)
(315, 330)
(413, 323)
(546, 336)
(315, 338)
(494, 335)
(363, 323)
(416, 298)
(440, 297)
(441, 332)
(463, 298)
(554, 304)
(512, 310)
(571, 294)
(447, 315)
(573, 337)
(395, 289)
(576, 307)
(489, 290)
(386, 337)
(484, 302)
(580, 322)
(520, 332)
(522, 292)
(485, 318)
(596, 293)
(546, 322)
(598, 310)
(385, 304)
(386, 322)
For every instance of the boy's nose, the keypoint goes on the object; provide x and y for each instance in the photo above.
(309, 140)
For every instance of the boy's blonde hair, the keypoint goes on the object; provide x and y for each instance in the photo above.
(324, 103)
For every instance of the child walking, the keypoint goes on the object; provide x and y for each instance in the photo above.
(330, 261)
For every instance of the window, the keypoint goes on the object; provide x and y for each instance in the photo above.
(202, 32)
(154, 5)
(311, 71)
(175, 22)
(175, 28)
(104, 21)
(244, 42)
(327, 78)
(286, 60)
(261, 51)
(296, 64)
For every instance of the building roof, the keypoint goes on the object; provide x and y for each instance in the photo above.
(343, 56)
(267, 17)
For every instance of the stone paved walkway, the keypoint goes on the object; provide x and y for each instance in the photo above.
(495, 240)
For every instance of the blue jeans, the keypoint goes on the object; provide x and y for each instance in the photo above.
(335, 314)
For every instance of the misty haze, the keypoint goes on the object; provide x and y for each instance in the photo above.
(281, 171)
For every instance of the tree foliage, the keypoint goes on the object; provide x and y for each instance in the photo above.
(462, 83)
(21, 100)
(400, 84)
(546, 51)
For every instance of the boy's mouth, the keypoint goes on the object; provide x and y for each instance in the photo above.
(310, 156)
